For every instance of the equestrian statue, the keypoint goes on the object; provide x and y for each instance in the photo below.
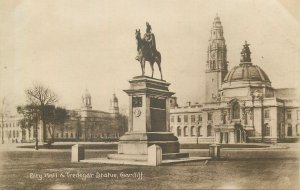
(146, 48)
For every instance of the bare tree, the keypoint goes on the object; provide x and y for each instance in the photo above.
(41, 97)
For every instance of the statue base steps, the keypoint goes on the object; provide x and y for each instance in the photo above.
(138, 157)
(143, 163)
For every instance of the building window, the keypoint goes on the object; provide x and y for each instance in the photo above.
(172, 119)
(266, 130)
(67, 135)
(298, 129)
(185, 131)
(209, 116)
(200, 118)
(199, 131)
(209, 130)
(186, 118)
(267, 114)
(71, 135)
(298, 114)
(193, 118)
(225, 118)
(178, 119)
(57, 135)
(289, 115)
(178, 131)
(289, 130)
(236, 110)
(62, 135)
(17, 134)
(14, 134)
(193, 131)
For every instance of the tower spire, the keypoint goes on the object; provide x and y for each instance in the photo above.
(216, 65)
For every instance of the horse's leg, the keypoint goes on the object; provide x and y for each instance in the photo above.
(141, 62)
(152, 67)
(144, 66)
(161, 77)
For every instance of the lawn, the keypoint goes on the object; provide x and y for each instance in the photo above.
(238, 169)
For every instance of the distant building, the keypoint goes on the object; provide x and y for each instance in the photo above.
(240, 105)
(10, 130)
(84, 124)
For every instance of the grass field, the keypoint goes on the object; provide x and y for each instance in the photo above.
(241, 169)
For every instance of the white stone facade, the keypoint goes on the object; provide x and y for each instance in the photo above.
(240, 105)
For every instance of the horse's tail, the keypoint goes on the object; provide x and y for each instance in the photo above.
(158, 57)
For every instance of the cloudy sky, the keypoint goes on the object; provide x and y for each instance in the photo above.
(71, 45)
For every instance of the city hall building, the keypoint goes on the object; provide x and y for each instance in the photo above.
(240, 105)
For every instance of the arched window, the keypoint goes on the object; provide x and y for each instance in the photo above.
(185, 131)
(289, 130)
(235, 110)
(178, 131)
(298, 129)
(266, 130)
(193, 132)
(199, 131)
(209, 130)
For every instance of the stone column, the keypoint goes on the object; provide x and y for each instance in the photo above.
(231, 137)
(218, 136)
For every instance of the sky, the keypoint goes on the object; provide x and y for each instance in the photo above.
(73, 45)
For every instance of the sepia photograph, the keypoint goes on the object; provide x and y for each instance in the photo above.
(149, 94)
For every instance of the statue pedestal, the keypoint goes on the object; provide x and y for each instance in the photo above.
(148, 125)
(148, 120)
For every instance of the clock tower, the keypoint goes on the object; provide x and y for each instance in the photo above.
(216, 65)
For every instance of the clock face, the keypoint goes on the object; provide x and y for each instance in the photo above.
(137, 113)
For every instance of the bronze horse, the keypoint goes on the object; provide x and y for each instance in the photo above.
(145, 54)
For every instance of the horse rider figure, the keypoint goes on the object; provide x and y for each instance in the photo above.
(149, 39)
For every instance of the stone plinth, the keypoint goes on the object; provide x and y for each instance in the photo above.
(214, 151)
(148, 122)
(138, 142)
(77, 153)
(154, 155)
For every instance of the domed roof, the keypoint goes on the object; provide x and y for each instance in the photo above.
(246, 71)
